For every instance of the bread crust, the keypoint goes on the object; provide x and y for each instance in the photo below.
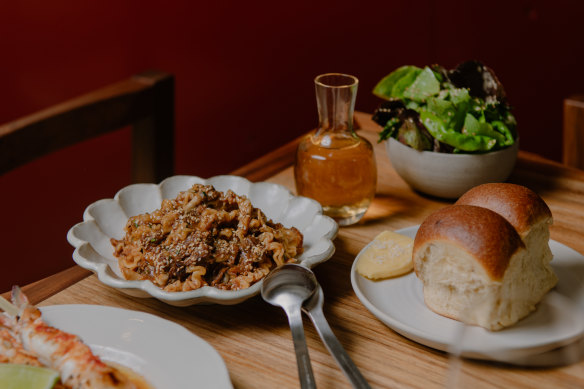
(483, 233)
(519, 205)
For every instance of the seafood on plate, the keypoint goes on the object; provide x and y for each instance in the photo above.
(26, 339)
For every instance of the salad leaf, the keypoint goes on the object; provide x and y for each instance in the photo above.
(384, 87)
(404, 82)
(444, 109)
(459, 96)
(424, 86)
(390, 128)
(479, 80)
(463, 142)
(411, 134)
(503, 129)
(461, 110)
(473, 127)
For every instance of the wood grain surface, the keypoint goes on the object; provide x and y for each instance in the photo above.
(254, 339)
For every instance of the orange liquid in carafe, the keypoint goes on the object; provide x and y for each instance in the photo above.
(339, 172)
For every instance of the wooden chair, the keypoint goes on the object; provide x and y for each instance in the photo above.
(573, 138)
(144, 101)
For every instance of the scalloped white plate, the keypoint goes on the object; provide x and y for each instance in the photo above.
(137, 340)
(558, 321)
(106, 219)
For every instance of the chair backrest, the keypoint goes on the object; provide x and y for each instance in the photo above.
(144, 101)
(573, 137)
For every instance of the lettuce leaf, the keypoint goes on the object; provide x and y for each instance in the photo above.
(461, 110)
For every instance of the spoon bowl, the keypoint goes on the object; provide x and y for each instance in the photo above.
(289, 284)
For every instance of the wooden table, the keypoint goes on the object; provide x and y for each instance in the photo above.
(254, 339)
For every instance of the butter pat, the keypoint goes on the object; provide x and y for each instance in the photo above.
(388, 255)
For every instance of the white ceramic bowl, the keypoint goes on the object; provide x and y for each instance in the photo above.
(105, 219)
(449, 175)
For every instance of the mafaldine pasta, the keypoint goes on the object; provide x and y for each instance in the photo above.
(204, 237)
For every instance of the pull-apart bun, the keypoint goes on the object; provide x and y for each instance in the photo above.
(476, 268)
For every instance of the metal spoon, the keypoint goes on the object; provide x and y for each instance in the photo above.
(313, 308)
(288, 286)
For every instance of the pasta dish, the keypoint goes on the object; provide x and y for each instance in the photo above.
(204, 237)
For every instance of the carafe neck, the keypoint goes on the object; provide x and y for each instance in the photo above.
(335, 99)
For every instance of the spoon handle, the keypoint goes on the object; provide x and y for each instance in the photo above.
(302, 358)
(334, 346)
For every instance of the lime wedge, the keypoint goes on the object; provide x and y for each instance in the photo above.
(26, 377)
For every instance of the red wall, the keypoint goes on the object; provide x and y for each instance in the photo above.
(244, 86)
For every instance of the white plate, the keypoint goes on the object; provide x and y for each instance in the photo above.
(166, 354)
(106, 219)
(558, 320)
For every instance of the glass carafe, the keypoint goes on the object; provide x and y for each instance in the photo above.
(334, 165)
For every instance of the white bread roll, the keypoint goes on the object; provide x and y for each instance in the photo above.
(476, 268)
(520, 206)
(526, 211)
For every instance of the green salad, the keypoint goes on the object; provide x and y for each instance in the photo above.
(463, 110)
